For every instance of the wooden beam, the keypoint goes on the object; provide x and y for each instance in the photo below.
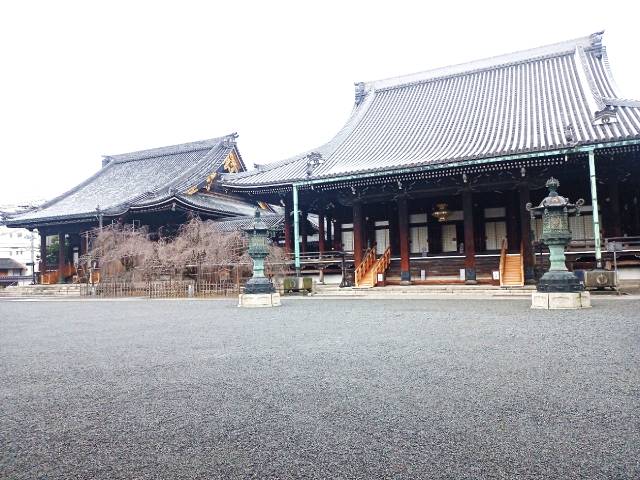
(358, 237)
(287, 227)
(61, 257)
(304, 221)
(469, 238)
(321, 240)
(513, 235)
(525, 233)
(43, 252)
(614, 222)
(403, 234)
(329, 232)
(337, 236)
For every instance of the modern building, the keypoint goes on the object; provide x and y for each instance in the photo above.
(436, 169)
(13, 272)
(20, 245)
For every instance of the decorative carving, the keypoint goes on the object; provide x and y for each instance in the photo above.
(209, 182)
(313, 160)
(231, 163)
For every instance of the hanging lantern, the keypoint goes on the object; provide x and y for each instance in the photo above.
(441, 212)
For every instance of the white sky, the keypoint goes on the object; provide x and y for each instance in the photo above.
(83, 79)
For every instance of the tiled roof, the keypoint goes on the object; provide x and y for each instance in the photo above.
(274, 221)
(201, 201)
(10, 263)
(548, 98)
(134, 178)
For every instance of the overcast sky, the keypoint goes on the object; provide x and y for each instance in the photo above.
(83, 79)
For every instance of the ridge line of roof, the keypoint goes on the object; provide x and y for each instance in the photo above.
(520, 56)
(213, 142)
(355, 114)
(170, 149)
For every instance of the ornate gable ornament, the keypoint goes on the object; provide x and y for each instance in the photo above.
(232, 163)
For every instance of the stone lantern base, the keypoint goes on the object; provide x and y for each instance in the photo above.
(560, 300)
(559, 281)
(258, 300)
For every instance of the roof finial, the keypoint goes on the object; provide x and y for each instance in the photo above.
(596, 43)
(360, 92)
(313, 160)
(569, 134)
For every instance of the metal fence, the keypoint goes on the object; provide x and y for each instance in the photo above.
(162, 289)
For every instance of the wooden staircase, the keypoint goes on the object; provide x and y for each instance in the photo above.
(366, 274)
(511, 267)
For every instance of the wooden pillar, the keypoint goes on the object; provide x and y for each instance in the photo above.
(321, 240)
(525, 232)
(288, 244)
(61, 257)
(403, 235)
(636, 212)
(358, 237)
(369, 230)
(511, 202)
(43, 253)
(337, 236)
(304, 221)
(469, 238)
(614, 223)
(329, 232)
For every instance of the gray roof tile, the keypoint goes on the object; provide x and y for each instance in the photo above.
(135, 178)
(10, 263)
(548, 98)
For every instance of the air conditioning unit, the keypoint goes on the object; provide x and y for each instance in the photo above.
(597, 278)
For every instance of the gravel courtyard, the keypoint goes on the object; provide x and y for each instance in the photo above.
(472, 389)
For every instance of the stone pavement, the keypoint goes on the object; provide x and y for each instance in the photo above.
(318, 389)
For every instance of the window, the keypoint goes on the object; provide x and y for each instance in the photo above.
(494, 233)
(382, 240)
(449, 238)
(418, 233)
(419, 237)
(382, 236)
(347, 240)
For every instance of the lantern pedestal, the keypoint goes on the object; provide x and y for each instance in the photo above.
(559, 281)
(257, 300)
(560, 300)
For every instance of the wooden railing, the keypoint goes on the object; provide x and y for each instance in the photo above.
(503, 258)
(383, 263)
(51, 276)
(522, 262)
(366, 264)
(371, 266)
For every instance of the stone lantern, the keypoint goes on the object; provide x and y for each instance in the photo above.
(558, 288)
(258, 291)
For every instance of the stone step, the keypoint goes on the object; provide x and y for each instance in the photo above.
(447, 290)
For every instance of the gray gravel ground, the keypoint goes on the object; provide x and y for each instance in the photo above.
(318, 389)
